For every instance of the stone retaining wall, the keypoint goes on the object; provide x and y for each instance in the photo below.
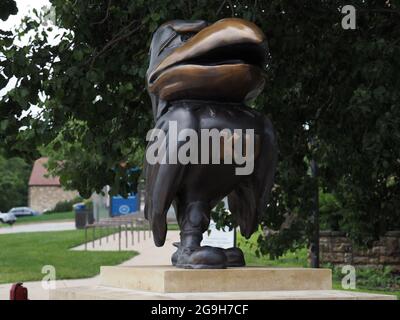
(337, 249)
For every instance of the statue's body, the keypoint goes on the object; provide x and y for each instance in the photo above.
(201, 76)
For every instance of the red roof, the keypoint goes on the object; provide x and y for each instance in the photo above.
(39, 173)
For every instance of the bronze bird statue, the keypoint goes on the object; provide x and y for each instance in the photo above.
(201, 76)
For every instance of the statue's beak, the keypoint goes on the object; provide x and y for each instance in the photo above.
(222, 34)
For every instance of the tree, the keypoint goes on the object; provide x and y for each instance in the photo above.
(14, 173)
(7, 8)
(332, 94)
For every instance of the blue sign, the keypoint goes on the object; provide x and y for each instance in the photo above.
(122, 206)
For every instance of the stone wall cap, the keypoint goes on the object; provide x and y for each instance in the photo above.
(395, 233)
(329, 233)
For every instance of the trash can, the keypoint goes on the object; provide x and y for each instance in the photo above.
(83, 216)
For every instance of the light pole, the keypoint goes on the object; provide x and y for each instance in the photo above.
(314, 248)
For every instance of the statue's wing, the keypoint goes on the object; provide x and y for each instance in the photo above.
(250, 198)
(164, 179)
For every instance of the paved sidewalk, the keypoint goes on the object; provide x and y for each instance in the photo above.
(149, 254)
(39, 227)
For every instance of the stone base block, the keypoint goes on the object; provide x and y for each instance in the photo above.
(167, 279)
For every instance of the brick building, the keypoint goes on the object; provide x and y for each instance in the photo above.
(45, 192)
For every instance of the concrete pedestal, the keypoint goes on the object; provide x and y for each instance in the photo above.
(173, 280)
(165, 282)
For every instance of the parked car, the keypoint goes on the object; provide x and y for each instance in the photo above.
(23, 212)
(7, 218)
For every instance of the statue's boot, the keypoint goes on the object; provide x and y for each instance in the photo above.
(234, 256)
(190, 255)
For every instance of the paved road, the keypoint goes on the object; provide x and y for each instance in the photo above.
(39, 227)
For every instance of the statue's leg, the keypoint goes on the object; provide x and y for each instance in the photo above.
(193, 219)
(192, 238)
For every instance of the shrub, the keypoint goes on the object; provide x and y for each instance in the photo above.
(379, 278)
(88, 204)
(330, 212)
(64, 206)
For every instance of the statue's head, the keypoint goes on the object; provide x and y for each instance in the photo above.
(223, 61)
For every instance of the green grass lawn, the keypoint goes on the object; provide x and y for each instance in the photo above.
(23, 255)
(299, 259)
(173, 226)
(290, 259)
(47, 217)
(62, 216)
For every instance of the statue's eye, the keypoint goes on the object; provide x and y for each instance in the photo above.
(186, 36)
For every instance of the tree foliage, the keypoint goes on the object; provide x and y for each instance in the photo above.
(14, 176)
(7, 8)
(332, 94)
